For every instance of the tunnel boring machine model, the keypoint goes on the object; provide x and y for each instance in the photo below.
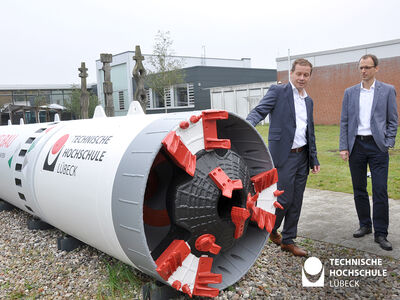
(187, 198)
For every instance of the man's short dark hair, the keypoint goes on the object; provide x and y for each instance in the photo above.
(371, 56)
(301, 62)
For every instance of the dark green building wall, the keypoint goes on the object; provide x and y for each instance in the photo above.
(205, 77)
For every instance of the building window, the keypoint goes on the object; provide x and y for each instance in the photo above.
(19, 98)
(57, 97)
(121, 100)
(167, 97)
(181, 95)
(149, 98)
(44, 96)
(190, 94)
(153, 99)
(67, 96)
(5, 97)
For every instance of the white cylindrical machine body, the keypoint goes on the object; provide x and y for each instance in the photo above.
(89, 178)
(75, 196)
(78, 192)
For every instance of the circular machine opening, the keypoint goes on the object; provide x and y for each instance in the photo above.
(233, 263)
(155, 212)
(225, 204)
(247, 142)
(160, 230)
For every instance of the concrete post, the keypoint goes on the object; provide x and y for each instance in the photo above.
(139, 73)
(106, 59)
(84, 93)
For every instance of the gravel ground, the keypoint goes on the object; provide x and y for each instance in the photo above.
(31, 267)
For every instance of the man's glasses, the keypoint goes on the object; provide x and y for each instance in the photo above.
(366, 68)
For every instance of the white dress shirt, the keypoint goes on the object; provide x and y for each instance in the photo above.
(301, 118)
(366, 98)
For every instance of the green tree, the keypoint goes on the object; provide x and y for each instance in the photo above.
(93, 102)
(74, 104)
(165, 70)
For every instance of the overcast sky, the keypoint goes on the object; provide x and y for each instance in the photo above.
(44, 41)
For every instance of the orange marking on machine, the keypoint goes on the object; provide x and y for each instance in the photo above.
(155, 217)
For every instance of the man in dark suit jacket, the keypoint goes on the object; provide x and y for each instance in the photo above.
(368, 127)
(291, 142)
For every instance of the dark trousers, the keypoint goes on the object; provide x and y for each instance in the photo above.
(366, 152)
(292, 178)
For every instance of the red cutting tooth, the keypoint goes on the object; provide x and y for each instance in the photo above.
(257, 217)
(269, 221)
(195, 119)
(186, 290)
(239, 216)
(206, 243)
(211, 140)
(205, 277)
(251, 201)
(177, 285)
(263, 218)
(184, 124)
(265, 179)
(172, 258)
(180, 153)
(277, 193)
(224, 183)
(278, 205)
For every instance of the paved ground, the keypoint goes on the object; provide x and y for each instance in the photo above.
(331, 217)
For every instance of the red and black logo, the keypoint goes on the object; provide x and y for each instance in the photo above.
(54, 153)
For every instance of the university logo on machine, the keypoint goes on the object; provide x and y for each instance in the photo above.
(54, 153)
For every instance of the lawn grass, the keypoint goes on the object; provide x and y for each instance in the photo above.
(123, 281)
(335, 173)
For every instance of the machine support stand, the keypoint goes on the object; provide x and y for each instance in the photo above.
(68, 243)
(5, 206)
(35, 223)
(159, 291)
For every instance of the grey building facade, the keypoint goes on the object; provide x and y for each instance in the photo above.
(200, 79)
(202, 73)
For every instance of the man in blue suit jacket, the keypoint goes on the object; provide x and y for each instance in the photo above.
(368, 127)
(291, 142)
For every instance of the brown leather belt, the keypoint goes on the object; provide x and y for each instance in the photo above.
(297, 150)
